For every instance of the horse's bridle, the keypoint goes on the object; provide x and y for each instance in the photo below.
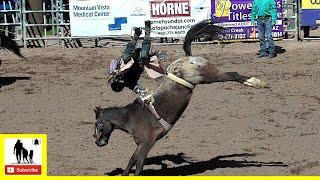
(97, 134)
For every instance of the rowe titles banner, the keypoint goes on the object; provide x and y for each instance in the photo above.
(169, 18)
(235, 16)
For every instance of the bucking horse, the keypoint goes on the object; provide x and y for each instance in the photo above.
(170, 99)
(9, 44)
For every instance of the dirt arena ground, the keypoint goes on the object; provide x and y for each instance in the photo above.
(227, 129)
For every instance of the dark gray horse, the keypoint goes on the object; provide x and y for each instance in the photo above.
(170, 100)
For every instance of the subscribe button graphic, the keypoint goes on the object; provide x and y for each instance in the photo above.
(23, 169)
(24, 154)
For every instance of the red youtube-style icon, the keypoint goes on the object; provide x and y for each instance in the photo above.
(23, 169)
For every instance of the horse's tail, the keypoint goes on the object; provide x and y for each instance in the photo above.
(9, 44)
(203, 29)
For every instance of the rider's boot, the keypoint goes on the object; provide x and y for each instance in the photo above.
(129, 51)
(137, 33)
(146, 44)
(147, 28)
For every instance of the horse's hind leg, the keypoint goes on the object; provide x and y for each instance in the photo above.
(231, 76)
(234, 76)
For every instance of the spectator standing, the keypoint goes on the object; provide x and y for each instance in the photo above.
(265, 13)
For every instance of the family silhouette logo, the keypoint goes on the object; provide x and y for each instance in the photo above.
(23, 156)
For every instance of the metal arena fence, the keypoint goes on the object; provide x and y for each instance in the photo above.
(37, 23)
(42, 23)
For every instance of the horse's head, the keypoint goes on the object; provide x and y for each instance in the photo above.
(103, 128)
(195, 70)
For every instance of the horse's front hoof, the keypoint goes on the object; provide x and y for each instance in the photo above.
(125, 173)
(255, 82)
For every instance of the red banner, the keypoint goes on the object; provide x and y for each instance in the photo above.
(171, 8)
(23, 169)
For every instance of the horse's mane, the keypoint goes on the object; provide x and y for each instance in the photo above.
(115, 112)
(9, 44)
(203, 29)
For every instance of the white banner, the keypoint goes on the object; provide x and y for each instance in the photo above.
(169, 18)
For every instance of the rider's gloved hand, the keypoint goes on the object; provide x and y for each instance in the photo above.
(147, 24)
(142, 92)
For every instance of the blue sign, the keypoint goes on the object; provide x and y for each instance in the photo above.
(117, 23)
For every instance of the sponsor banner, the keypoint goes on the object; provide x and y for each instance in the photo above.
(235, 16)
(169, 18)
(23, 154)
(309, 17)
(310, 4)
(175, 18)
(100, 18)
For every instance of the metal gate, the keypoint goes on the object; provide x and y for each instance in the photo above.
(38, 23)
(291, 18)
(11, 18)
